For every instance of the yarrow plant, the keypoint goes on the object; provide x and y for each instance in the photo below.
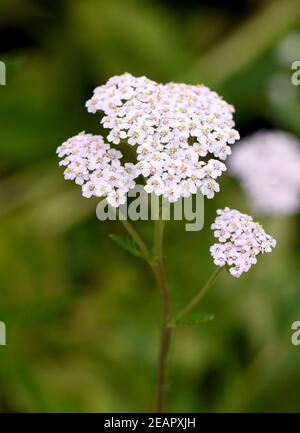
(267, 164)
(179, 134)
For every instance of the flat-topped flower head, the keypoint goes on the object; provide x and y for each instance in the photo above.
(176, 130)
(241, 240)
(268, 166)
(172, 127)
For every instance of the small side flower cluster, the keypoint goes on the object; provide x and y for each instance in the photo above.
(241, 240)
(91, 163)
(268, 165)
(172, 128)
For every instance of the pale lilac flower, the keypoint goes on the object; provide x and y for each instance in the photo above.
(97, 168)
(171, 127)
(241, 240)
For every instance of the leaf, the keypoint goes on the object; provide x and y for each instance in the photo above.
(128, 244)
(195, 319)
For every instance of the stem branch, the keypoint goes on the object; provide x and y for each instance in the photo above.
(157, 265)
(138, 240)
(200, 295)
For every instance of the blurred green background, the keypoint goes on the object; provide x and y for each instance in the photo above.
(83, 316)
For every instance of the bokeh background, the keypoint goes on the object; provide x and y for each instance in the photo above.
(83, 316)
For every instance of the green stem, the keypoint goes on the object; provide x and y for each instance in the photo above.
(200, 295)
(162, 367)
(138, 240)
(166, 333)
(159, 268)
(157, 265)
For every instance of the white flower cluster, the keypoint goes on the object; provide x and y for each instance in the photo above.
(240, 241)
(92, 164)
(268, 165)
(172, 127)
